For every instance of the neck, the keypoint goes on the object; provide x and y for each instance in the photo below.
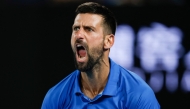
(94, 81)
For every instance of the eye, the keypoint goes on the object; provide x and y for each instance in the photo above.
(76, 28)
(88, 29)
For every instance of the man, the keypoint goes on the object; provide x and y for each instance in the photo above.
(98, 82)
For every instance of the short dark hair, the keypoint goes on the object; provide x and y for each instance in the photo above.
(95, 8)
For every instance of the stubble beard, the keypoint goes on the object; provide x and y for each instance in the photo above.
(94, 57)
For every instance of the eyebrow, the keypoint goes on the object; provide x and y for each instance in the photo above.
(89, 27)
(75, 26)
(85, 26)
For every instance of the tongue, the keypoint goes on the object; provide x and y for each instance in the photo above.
(82, 53)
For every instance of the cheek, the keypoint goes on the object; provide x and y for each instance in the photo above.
(72, 42)
(96, 39)
(97, 42)
(72, 38)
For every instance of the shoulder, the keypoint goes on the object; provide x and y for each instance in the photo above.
(138, 93)
(58, 92)
(147, 100)
(127, 76)
(130, 80)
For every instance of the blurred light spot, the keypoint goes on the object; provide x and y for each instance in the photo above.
(156, 81)
(122, 50)
(187, 61)
(139, 72)
(185, 83)
(159, 47)
(171, 81)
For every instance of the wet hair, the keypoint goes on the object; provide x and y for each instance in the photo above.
(95, 8)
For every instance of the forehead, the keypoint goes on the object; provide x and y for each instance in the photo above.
(88, 19)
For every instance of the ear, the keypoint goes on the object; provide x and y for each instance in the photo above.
(109, 41)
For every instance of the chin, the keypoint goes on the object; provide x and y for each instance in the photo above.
(82, 67)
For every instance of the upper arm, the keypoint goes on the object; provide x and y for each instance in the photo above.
(48, 102)
(147, 100)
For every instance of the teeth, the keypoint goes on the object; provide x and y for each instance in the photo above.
(79, 45)
(81, 57)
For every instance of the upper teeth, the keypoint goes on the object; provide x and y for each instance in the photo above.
(79, 45)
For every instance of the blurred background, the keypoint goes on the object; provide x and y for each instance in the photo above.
(152, 39)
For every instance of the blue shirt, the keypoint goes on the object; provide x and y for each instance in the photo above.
(124, 90)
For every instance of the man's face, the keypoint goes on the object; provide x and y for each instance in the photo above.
(87, 40)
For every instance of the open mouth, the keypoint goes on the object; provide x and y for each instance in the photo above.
(81, 51)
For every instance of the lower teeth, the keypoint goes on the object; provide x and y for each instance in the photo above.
(81, 57)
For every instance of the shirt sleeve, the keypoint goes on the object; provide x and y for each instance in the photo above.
(50, 100)
(47, 104)
(147, 100)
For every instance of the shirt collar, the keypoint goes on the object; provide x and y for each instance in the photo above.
(112, 84)
(77, 89)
